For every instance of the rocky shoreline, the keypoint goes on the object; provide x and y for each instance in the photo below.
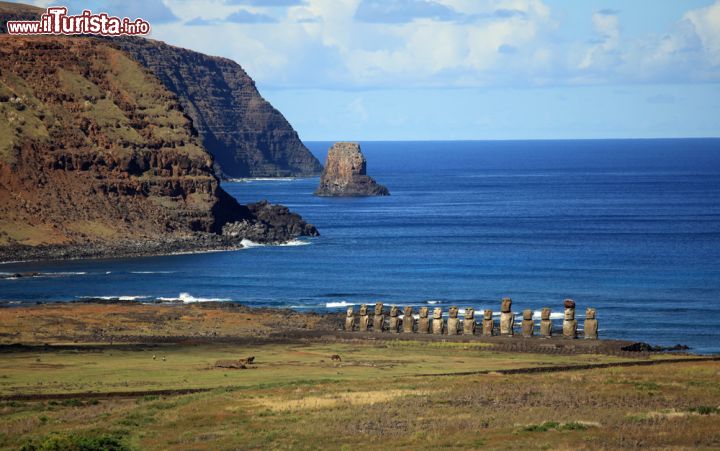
(270, 224)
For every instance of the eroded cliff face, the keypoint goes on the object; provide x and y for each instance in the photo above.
(92, 146)
(95, 149)
(246, 135)
(345, 173)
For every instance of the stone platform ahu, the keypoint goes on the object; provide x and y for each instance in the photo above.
(436, 324)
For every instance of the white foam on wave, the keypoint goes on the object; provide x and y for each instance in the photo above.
(187, 298)
(433, 302)
(120, 298)
(553, 315)
(250, 244)
(150, 272)
(338, 304)
(262, 179)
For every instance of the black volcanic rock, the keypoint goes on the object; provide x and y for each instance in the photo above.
(345, 174)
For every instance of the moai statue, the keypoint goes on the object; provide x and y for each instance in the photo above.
(350, 320)
(507, 319)
(364, 318)
(487, 324)
(469, 322)
(545, 323)
(424, 321)
(394, 325)
(453, 321)
(437, 322)
(591, 324)
(527, 324)
(379, 318)
(569, 323)
(408, 320)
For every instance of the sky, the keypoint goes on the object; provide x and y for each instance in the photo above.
(462, 69)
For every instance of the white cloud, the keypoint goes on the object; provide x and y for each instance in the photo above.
(321, 43)
(706, 22)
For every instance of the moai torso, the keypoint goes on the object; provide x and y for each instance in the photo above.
(394, 325)
(379, 318)
(408, 320)
(591, 324)
(527, 323)
(350, 320)
(424, 321)
(506, 317)
(545, 323)
(364, 318)
(569, 322)
(469, 321)
(437, 322)
(453, 321)
(487, 323)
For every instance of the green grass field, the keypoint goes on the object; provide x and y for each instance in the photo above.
(296, 397)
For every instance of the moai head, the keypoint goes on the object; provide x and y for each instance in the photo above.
(437, 313)
(394, 311)
(470, 314)
(569, 303)
(545, 314)
(590, 313)
(378, 308)
(506, 305)
(453, 312)
(569, 314)
(527, 314)
(424, 312)
(350, 312)
(407, 311)
(487, 314)
(363, 310)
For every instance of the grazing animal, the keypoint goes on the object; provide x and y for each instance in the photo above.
(335, 358)
(154, 357)
(163, 358)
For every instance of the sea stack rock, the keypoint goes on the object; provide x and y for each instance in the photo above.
(408, 320)
(469, 322)
(345, 174)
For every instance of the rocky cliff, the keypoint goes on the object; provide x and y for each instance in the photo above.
(345, 173)
(94, 150)
(247, 136)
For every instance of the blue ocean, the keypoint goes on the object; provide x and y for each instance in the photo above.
(630, 227)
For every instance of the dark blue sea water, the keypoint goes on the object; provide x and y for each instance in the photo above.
(631, 227)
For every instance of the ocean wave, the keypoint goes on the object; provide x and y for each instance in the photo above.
(338, 304)
(187, 298)
(262, 179)
(150, 272)
(250, 244)
(119, 298)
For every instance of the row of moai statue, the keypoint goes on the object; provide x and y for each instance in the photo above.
(436, 325)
